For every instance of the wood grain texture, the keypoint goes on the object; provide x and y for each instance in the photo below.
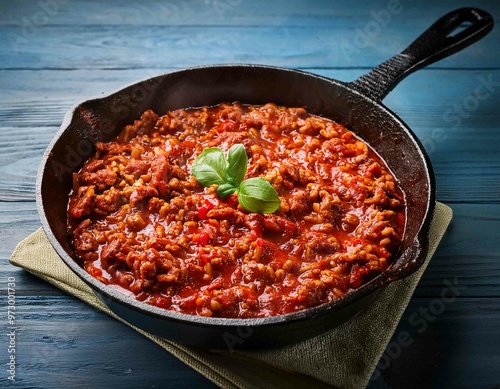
(300, 34)
(123, 46)
(73, 344)
(437, 340)
(58, 334)
(55, 53)
(430, 102)
(232, 13)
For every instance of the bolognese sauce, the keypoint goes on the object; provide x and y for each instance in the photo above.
(140, 222)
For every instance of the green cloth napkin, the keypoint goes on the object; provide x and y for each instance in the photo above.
(343, 357)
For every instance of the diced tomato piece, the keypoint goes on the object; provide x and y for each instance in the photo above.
(228, 126)
(202, 238)
(209, 204)
(256, 233)
(202, 211)
(96, 272)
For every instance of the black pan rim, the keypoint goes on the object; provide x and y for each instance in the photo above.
(150, 310)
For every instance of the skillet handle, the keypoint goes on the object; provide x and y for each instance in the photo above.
(436, 43)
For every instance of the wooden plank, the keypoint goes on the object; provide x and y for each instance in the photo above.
(224, 12)
(97, 46)
(429, 96)
(468, 252)
(464, 177)
(22, 150)
(74, 345)
(35, 103)
(475, 182)
(125, 46)
(421, 91)
(443, 345)
(17, 221)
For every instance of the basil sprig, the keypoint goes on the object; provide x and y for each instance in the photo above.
(254, 194)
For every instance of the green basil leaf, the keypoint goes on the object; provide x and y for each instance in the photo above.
(237, 161)
(258, 195)
(226, 189)
(210, 167)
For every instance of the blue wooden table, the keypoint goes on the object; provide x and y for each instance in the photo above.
(54, 53)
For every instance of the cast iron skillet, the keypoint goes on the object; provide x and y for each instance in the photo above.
(356, 104)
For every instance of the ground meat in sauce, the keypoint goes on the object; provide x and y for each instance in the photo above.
(142, 224)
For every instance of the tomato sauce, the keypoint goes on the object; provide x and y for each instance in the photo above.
(140, 222)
